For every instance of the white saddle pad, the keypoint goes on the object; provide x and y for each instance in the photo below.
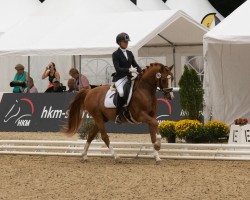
(108, 101)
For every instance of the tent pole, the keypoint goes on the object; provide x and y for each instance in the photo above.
(28, 73)
(174, 66)
(80, 64)
(74, 61)
(80, 69)
(173, 46)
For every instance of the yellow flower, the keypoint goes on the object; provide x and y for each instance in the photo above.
(167, 128)
(187, 128)
(216, 128)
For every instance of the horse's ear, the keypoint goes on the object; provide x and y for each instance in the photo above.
(171, 67)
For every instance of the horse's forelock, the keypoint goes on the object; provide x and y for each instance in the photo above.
(151, 65)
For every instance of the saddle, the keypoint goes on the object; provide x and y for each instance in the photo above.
(111, 98)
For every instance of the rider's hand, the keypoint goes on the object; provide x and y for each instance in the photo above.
(134, 75)
(132, 69)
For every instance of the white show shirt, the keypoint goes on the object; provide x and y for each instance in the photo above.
(124, 52)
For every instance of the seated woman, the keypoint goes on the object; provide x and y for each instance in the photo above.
(20, 77)
(81, 81)
(51, 72)
(31, 87)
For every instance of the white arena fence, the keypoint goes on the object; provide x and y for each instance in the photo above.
(126, 149)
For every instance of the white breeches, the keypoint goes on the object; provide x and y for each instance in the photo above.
(119, 85)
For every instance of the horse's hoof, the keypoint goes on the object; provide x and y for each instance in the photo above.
(117, 160)
(158, 162)
(84, 160)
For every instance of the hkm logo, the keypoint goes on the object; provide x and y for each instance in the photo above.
(20, 112)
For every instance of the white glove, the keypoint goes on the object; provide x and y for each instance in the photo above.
(134, 75)
(132, 69)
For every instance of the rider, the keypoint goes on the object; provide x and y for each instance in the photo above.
(125, 64)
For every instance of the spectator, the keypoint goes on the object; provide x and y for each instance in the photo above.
(81, 81)
(71, 85)
(20, 79)
(51, 72)
(31, 87)
(56, 87)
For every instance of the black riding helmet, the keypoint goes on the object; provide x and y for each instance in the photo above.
(122, 36)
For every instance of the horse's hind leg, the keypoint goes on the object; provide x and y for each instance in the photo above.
(92, 133)
(105, 137)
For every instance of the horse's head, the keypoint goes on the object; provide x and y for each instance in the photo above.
(164, 78)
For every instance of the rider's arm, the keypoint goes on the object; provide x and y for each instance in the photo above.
(134, 63)
(115, 58)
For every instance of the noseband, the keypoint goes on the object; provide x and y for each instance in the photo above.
(159, 85)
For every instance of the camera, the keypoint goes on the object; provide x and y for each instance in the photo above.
(63, 88)
(13, 84)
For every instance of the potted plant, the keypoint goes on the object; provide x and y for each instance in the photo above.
(85, 127)
(167, 130)
(191, 94)
(241, 121)
(191, 131)
(216, 130)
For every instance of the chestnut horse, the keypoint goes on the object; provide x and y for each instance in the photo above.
(143, 106)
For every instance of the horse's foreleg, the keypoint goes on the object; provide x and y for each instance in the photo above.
(154, 134)
(92, 133)
(156, 140)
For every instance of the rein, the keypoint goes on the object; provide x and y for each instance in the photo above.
(159, 86)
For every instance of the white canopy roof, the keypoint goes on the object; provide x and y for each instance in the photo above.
(152, 5)
(12, 11)
(97, 36)
(226, 51)
(197, 9)
(81, 7)
(233, 30)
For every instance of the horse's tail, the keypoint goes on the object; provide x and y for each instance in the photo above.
(76, 109)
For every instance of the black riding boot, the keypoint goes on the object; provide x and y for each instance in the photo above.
(119, 110)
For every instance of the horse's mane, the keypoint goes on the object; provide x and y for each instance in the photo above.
(148, 67)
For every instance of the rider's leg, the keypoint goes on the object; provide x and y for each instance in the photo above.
(120, 101)
(119, 109)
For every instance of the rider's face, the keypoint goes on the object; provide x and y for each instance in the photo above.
(124, 44)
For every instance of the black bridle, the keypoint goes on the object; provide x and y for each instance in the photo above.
(162, 89)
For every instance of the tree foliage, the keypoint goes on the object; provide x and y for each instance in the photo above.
(191, 94)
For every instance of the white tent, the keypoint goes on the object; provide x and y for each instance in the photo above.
(12, 11)
(197, 9)
(227, 61)
(81, 7)
(48, 17)
(99, 38)
(152, 5)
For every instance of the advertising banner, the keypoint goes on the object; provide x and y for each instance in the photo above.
(47, 112)
(34, 112)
